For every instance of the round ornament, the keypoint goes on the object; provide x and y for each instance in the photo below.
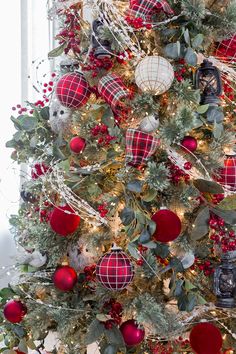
(65, 278)
(154, 74)
(18, 351)
(14, 311)
(132, 334)
(73, 90)
(226, 176)
(168, 225)
(63, 221)
(149, 124)
(77, 144)
(205, 338)
(189, 143)
(115, 270)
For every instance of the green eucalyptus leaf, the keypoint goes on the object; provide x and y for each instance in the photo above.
(144, 237)
(215, 114)
(190, 57)
(202, 109)
(197, 41)
(127, 215)
(56, 52)
(135, 186)
(172, 50)
(218, 129)
(201, 226)
(11, 144)
(108, 118)
(110, 349)
(187, 37)
(132, 248)
(28, 123)
(205, 186)
(45, 113)
(151, 227)
(229, 216)
(191, 302)
(162, 250)
(178, 288)
(17, 124)
(149, 195)
(228, 203)
(102, 317)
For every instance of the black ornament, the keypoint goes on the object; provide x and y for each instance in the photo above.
(102, 48)
(27, 197)
(208, 80)
(225, 281)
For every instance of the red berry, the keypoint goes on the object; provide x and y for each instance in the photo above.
(188, 166)
(140, 262)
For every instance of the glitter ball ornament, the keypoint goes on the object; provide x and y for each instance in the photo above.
(77, 144)
(132, 333)
(205, 338)
(114, 270)
(63, 220)
(149, 124)
(154, 75)
(168, 225)
(226, 176)
(189, 143)
(14, 311)
(73, 90)
(65, 278)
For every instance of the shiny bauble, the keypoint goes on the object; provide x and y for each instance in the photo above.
(132, 334)
(14, 311)
(149, 124)
(189, 143)
(226, 175)
(63, 220)
(168, 225)
(65, 278)
(77, 144)
(206, 338)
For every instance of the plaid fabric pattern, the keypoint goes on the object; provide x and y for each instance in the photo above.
(146, 8)
(113, 91)
(226, 49)
(139, 147)
(226, 176)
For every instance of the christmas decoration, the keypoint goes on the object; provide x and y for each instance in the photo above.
(114, 270)
(149, 124)
(132, 333)
(147, 8)
(102, 48)
(154, 75)
(205, 338)
(65, 278)
(226, 176)
(73, 90)
(226, 49)
(59, 116)
(168, 225)
(77, 144)
(63, 220)
(189, 143)
(14, 311)
(27, 197)
(38, 170)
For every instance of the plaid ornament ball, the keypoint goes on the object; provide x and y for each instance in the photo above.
(147, 8)
(226, 50)
(139, 147)
(226, 175)
(113, 91)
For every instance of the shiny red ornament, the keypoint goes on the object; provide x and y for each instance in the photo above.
(205, 338)
(18, 351)
(132, 334)
(39, 169)
(65, 278)
(14, 311)
(73, 90)
(114, 270)
(226, 176)
(63, 221)
(168, 225)
(77, 144)
(189, 143)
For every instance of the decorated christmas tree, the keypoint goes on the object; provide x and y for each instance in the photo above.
(127, 217)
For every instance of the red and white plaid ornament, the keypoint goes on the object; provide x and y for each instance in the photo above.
(139, 147)
(113, 91)
(73, 90)
(147, 8)
(226, 50)
(226, 176)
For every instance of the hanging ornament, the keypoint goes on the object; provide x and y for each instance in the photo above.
(14, 311)
(77, 144)
(27, 197)
(115, 270)
(147, 8)
(205, 338)
(65, 278)
(102, 48)
(132, 333)
(63, 220)
(189, 143)
(226, 50)
(154, 75)
(73, 90)
(226, 175)
(149, 124)
(59, 116)
(168, 225)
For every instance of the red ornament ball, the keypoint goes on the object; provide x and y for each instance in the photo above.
(18, 351)
(39, 169)
(132, 334)
(168, 225)
(63, 221)
(77, 144)
(14, 311)
(205, 338)
(65, 278)
(73, 90)
(115, 270)
(226, 176)
(189, 143)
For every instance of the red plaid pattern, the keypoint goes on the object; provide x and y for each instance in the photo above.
(113, 91)
(139, 147)
(146, 8)
(226, 49)
(226, 176)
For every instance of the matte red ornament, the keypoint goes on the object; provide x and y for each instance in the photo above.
(189, 143)
(65, 278)
(168, 225)
(132, 334)
(77, 144)
(205, 338)
(115, 270)
(39, 169)
(14, 311)
(64, 223)
(18, 351)
(73, 90)
(226, 176)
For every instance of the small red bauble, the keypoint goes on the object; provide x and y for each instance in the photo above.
(63, 221)
(189, 143)
(14, 311)
(115, 270)
(73, 90)
(77, 144)
(65, 278)
(226, 176)
(132, 334)
(39, 169)
(168, 225)
(205, 338)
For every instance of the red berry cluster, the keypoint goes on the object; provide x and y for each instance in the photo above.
(217, 198)
(228, 90)
(177, 175)
(206, 267)
(95, 65)
(180, 70)
(123, 57)
(137, 23)
(101, 131)
(70, 35)
(20, 109)
(102, 208)
(38, 170)
(113, 309)
(44, 212)
(163, 261)
(221, 236)
(89, 272)
(170, 347)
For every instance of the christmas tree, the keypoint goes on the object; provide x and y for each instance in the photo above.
(127, 219)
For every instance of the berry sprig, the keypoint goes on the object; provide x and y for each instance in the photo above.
(138, 23)
(180, 70)
(102, 208)
(100, 131)
(221, 235)
(96, 65)
(177, 174)
(204, 266)
(114, 310)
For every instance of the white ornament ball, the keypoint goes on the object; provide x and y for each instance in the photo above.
(149, 124)
(154, 74)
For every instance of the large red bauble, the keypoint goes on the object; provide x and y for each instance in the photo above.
(77, 144)
(115, 270)
(18, 351)
(226, 176)
(132, 334)
(168, 225)
(64, 223)
(205, 338)
(65, 278)
(189, 143)
(73, 90)
(14, 311)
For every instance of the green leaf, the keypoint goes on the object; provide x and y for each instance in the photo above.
(95, 331)
(228, 216)
(145, 236)
(57, 153)
(31, 345)
(28, 123)
(202, 109)
(208, 186)
(45, 113)
(215, 114)
(197, 41)
(6, 293)
(178, 288)
(176, 264)
(65, 165)
(151, 227)
(201, 226)
(56, 52)
(9, 351)
(11, 144)
(133, 251)
(23, 346)
(162, 250)
(218, 129)
(135, 186)
(102, 317)
(149, 195)
(187, 37)
(191, 57)
(188, 285)
(114, 336)
(228, 203)
(127, 215)
(172, 50)
(191, 302)
(16, 122)
(108, 118)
